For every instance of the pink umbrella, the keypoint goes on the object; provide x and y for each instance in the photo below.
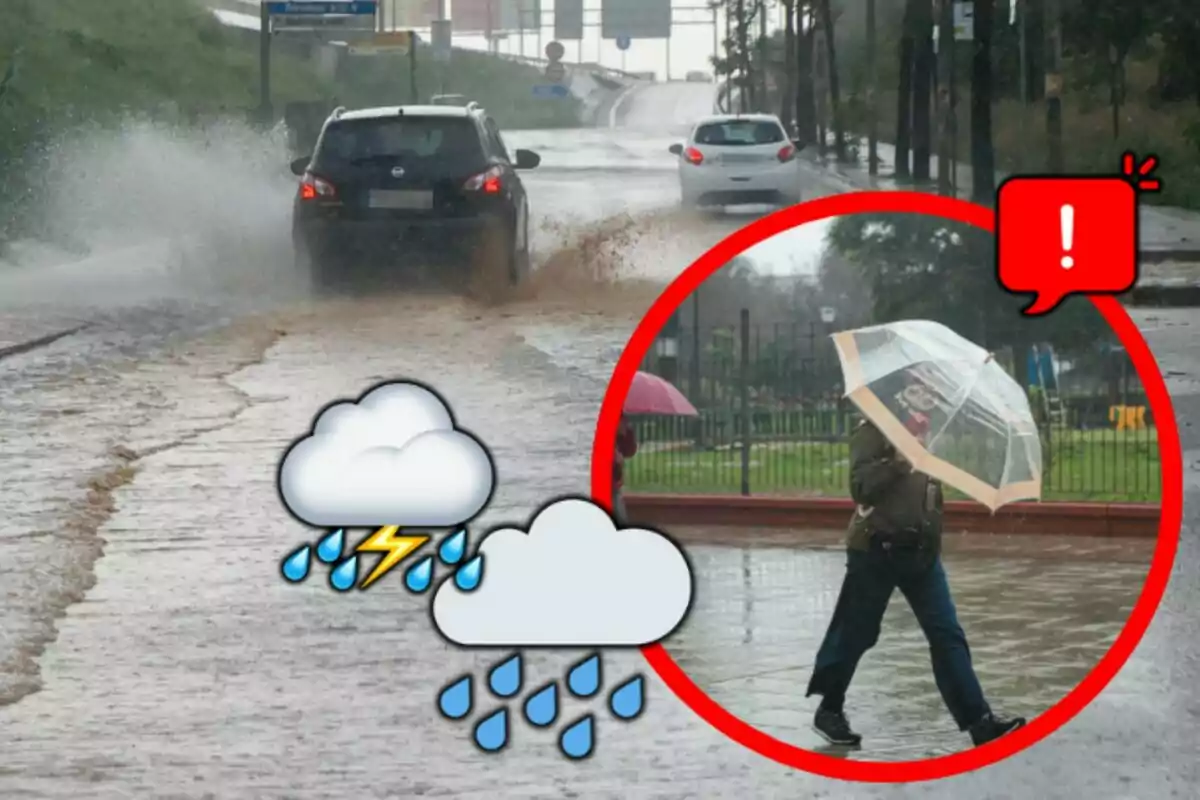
(650, 394)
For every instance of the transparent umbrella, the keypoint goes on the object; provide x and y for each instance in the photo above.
(947, 406)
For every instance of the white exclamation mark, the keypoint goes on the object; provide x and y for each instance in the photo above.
(1067, 224)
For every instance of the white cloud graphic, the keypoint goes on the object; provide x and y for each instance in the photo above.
(393, 458)
(574, 580)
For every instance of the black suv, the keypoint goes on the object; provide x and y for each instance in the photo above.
(429, 183)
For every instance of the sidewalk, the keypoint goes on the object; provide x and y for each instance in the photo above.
(1170, 237)
(1038, 617)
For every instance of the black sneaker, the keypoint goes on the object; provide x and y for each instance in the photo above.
(992, 727)
(835, 728)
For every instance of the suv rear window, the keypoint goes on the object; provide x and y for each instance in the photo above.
(401, 139)
(739, 132)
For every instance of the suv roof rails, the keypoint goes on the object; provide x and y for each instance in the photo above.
(474, 106)
(337, 112)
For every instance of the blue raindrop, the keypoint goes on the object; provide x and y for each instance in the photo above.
(453, 547)
(420, 575)
(491, 734)
(541, 709)
(627, 700)
(330, 548)
(468, 576)
(506, 678)
(295, 565)
(578, 739)
(456, 699)
(583, 679)
(343, 576)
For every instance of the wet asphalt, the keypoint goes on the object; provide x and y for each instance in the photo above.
(141, 503)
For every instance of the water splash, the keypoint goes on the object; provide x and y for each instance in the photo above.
(344, 575)
(468, 576)
(628, 700)
(453, 547)
(541, 708)
(506, 678)
(579, 738)
(295, 566)
(491, 734)
(420, 575)
(584, 678)
(330, 548)
(455, 701)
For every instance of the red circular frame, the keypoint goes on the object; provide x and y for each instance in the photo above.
(1139, 620)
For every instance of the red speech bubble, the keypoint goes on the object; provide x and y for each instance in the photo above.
(1057, 236)
(1170, 455)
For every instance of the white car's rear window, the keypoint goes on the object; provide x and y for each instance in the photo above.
(739, 132)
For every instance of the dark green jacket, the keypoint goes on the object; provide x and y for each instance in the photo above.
(890, 496)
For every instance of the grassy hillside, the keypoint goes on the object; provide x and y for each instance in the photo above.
(93, 62)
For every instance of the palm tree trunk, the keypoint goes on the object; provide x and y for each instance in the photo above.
(983, 156)
(922, 85)
(787, 97)
(839, 133)
(806, 110)
(902, 168)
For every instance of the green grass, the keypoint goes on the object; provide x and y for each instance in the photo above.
(96, 62)
(1100, 466)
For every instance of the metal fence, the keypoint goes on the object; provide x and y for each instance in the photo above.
(773, 421)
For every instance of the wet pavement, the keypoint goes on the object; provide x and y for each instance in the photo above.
(1039, 613)
(143, 506)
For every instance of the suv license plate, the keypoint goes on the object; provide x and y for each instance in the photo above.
(407, 201)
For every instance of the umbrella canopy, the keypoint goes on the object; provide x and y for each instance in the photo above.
(947, 406)
(650, 394)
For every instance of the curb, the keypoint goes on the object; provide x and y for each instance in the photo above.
(1163, 294)
(41, 341)
(1124, 520)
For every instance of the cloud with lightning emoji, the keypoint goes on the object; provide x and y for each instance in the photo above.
(573, 580)
(394, 458)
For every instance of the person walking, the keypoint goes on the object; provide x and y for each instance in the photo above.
(626, 447)
(894, 541)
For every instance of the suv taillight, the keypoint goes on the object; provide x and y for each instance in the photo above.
(488, 182)
(693, 156)
(786, 153)
(312, 187)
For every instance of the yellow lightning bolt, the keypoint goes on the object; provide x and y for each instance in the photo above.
(395, 549)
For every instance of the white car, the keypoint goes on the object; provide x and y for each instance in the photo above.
(738, 160)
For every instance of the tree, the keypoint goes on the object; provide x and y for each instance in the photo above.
(922, 86)
(806, 101)
(983, 155)
(1179, 68)
(787, 97)
(919, 267)
(839, 133)
(904, 70)
(1108, 30)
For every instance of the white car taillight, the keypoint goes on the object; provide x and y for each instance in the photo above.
(312, 187)
(488, 181)
(693, 156)
(786, 153)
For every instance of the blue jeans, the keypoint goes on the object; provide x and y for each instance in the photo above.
(871, 577)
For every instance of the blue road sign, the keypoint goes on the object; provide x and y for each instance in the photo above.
(623, 42)
(551, 90)
(353, 7)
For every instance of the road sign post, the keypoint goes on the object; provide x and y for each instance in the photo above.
(555, 71)
(442, 35)
(623, 43)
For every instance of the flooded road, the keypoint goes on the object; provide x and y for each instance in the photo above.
(148, 647)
